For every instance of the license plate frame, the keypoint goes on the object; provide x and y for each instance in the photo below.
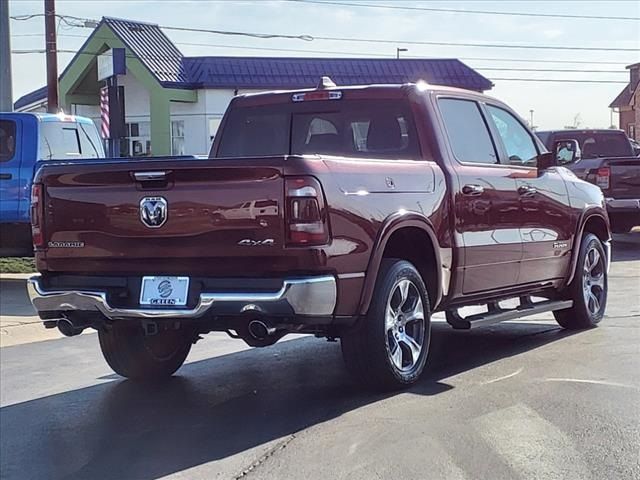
(164, 291)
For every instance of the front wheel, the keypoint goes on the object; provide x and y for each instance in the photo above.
(133, 354)
(588, 289)
(388, 348)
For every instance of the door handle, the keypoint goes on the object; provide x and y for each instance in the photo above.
(472, 190)
(527, 190)
(5, 176)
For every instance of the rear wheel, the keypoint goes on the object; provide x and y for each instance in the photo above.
(588, 289)
(388, 349)
(133, 354)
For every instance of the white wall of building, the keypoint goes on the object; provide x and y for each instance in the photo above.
(200, 120)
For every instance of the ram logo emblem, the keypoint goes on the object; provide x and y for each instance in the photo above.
(153, 211)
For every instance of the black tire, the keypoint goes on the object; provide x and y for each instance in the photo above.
(366, 347)
(584, 313)
(132, 354)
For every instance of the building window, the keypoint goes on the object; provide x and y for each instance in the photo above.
(632, 131)
(137, 142)
(177, 137)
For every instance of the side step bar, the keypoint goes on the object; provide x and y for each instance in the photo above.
(497, 314)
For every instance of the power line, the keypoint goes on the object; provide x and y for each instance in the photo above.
(480, 45)
(557, 80)
(458, 10)
(368, 54)
(310, 38)
(165, 57)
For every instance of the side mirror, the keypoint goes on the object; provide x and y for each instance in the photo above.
(567, 151)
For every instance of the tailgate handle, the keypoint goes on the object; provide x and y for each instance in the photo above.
(150, 176)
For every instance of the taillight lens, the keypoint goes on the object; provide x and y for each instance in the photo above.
(36, 215)
(306, 218)
(603, 177)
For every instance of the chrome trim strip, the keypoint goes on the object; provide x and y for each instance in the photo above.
(624, 203)
(307, 296)
(346, 276)
(149, 176)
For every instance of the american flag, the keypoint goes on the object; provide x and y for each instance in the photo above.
(104, 111)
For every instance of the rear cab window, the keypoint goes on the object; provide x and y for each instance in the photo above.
(7, 140)
(598, 144)
(375, 128)
(68, 140)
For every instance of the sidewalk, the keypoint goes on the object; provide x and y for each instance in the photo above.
(18, 320)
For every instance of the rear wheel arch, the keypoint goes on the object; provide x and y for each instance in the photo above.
(412, 239)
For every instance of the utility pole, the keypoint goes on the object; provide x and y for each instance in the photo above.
(6, 94)
(398, 50)
(52, 55)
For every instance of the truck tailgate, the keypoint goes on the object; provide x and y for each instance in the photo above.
(207, 217)
(625, 177)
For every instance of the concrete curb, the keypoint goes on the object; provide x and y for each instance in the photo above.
(16, 276)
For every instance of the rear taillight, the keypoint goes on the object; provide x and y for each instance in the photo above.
(306, 216)
(37, 203)
(603, 177)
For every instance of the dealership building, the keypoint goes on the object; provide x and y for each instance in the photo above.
(173, 104)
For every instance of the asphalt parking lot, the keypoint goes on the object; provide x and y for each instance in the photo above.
(518, 400)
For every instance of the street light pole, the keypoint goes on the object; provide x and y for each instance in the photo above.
(52, 55)
(531, 113)
(398, 50)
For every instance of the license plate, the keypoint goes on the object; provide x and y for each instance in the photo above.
(164, 291)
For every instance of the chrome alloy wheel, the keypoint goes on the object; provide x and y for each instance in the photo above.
(593, 281)
(405, 325)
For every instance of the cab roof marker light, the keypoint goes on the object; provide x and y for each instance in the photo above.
(422, 86)
(316, 95)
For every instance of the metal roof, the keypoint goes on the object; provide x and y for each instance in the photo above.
(166, 63)
(154, 49)
(291, 72)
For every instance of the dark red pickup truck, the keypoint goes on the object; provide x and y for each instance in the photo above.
(350, 213)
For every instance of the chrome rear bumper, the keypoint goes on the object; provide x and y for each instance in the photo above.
(309, 296)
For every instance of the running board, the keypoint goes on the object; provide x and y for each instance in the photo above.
(497, 314)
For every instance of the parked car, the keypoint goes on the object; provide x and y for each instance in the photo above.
(606, 158)
(25, 139)
(636, 147)
(407, 200)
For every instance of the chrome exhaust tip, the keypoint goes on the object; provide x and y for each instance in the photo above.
(260, 330)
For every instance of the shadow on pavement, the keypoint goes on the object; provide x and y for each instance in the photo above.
(14, 300)
(222, 406)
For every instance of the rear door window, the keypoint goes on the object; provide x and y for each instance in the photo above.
(467, 131)
(7, 140)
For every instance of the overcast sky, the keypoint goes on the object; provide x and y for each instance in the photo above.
(555, 104)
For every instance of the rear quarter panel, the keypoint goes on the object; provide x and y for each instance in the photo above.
(364, 196)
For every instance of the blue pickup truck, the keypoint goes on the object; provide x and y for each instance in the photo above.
(25, 140)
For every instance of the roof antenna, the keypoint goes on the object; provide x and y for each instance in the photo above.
(325, 82)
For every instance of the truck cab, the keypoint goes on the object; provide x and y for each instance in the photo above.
(25, 140)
